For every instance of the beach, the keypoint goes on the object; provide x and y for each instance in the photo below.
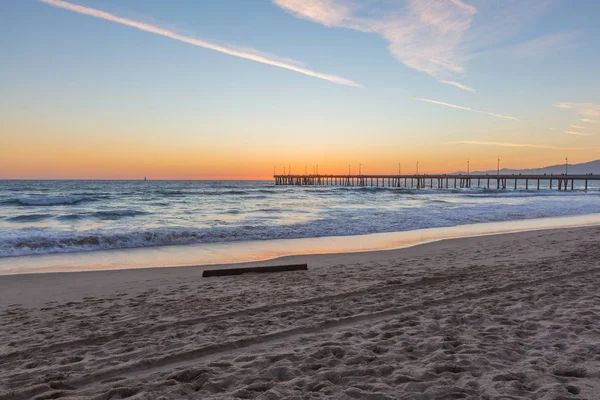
(287, 199)
(494, 317)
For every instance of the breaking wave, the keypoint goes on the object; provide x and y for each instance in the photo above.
(48, 201)
(60, 216)
(103, 241)
(29, 218)
(115, 214)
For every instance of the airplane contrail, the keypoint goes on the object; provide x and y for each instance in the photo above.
(468, 109)
(197, 42)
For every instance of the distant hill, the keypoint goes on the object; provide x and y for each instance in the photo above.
(592, 167)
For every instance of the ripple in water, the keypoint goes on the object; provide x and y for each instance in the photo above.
(39, 217)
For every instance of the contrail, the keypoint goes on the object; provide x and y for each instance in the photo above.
(196, 42)
(468, 109)
(576, 133)
(459, 85)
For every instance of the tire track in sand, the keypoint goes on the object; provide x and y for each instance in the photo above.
(102, 339)
(170, 361)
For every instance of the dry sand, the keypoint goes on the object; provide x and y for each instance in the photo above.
(496, 317)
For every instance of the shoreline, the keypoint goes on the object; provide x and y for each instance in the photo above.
(226, 254)
(487, 316)
(19, 287)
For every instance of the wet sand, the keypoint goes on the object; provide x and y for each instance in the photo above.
(260, 250)
(491, 317)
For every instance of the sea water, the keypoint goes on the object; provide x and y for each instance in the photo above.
(44, 217)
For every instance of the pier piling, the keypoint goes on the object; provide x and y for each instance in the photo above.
(436, 181)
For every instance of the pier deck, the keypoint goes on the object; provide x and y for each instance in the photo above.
(558, 182)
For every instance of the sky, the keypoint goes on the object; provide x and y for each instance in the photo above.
(199, 89)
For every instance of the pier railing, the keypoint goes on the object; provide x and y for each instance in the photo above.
(420, 181)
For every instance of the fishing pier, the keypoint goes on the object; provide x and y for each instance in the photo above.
(420, 181)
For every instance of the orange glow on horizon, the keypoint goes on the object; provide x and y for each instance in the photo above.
(125, 163)
(46, 150)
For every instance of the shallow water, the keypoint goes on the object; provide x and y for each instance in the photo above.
(248, 251)
(44, 217)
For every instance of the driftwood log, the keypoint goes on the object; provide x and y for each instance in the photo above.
(239, 271)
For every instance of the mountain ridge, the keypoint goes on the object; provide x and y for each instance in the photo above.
(590, 167)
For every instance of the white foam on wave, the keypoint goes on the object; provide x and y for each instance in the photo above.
(225, 253)
(114, 215)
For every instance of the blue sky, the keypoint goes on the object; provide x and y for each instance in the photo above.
(72, 80)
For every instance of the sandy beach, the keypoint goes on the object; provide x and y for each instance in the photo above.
(511, 316)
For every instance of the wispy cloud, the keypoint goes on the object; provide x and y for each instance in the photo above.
(459, 85)
(583, 109)
(509, 144)
(578, 127)
(437, 37)
(468, 109)
(466, 7)
(544, 45)
(327, 12)
(576, 133)
(589, 121)
(423, 34)
(249, 55)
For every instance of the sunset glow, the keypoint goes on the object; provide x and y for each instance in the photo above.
(107, 90)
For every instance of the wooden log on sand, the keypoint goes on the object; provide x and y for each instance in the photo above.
(239, 271)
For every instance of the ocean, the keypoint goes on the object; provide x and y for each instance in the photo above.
(44, 217)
